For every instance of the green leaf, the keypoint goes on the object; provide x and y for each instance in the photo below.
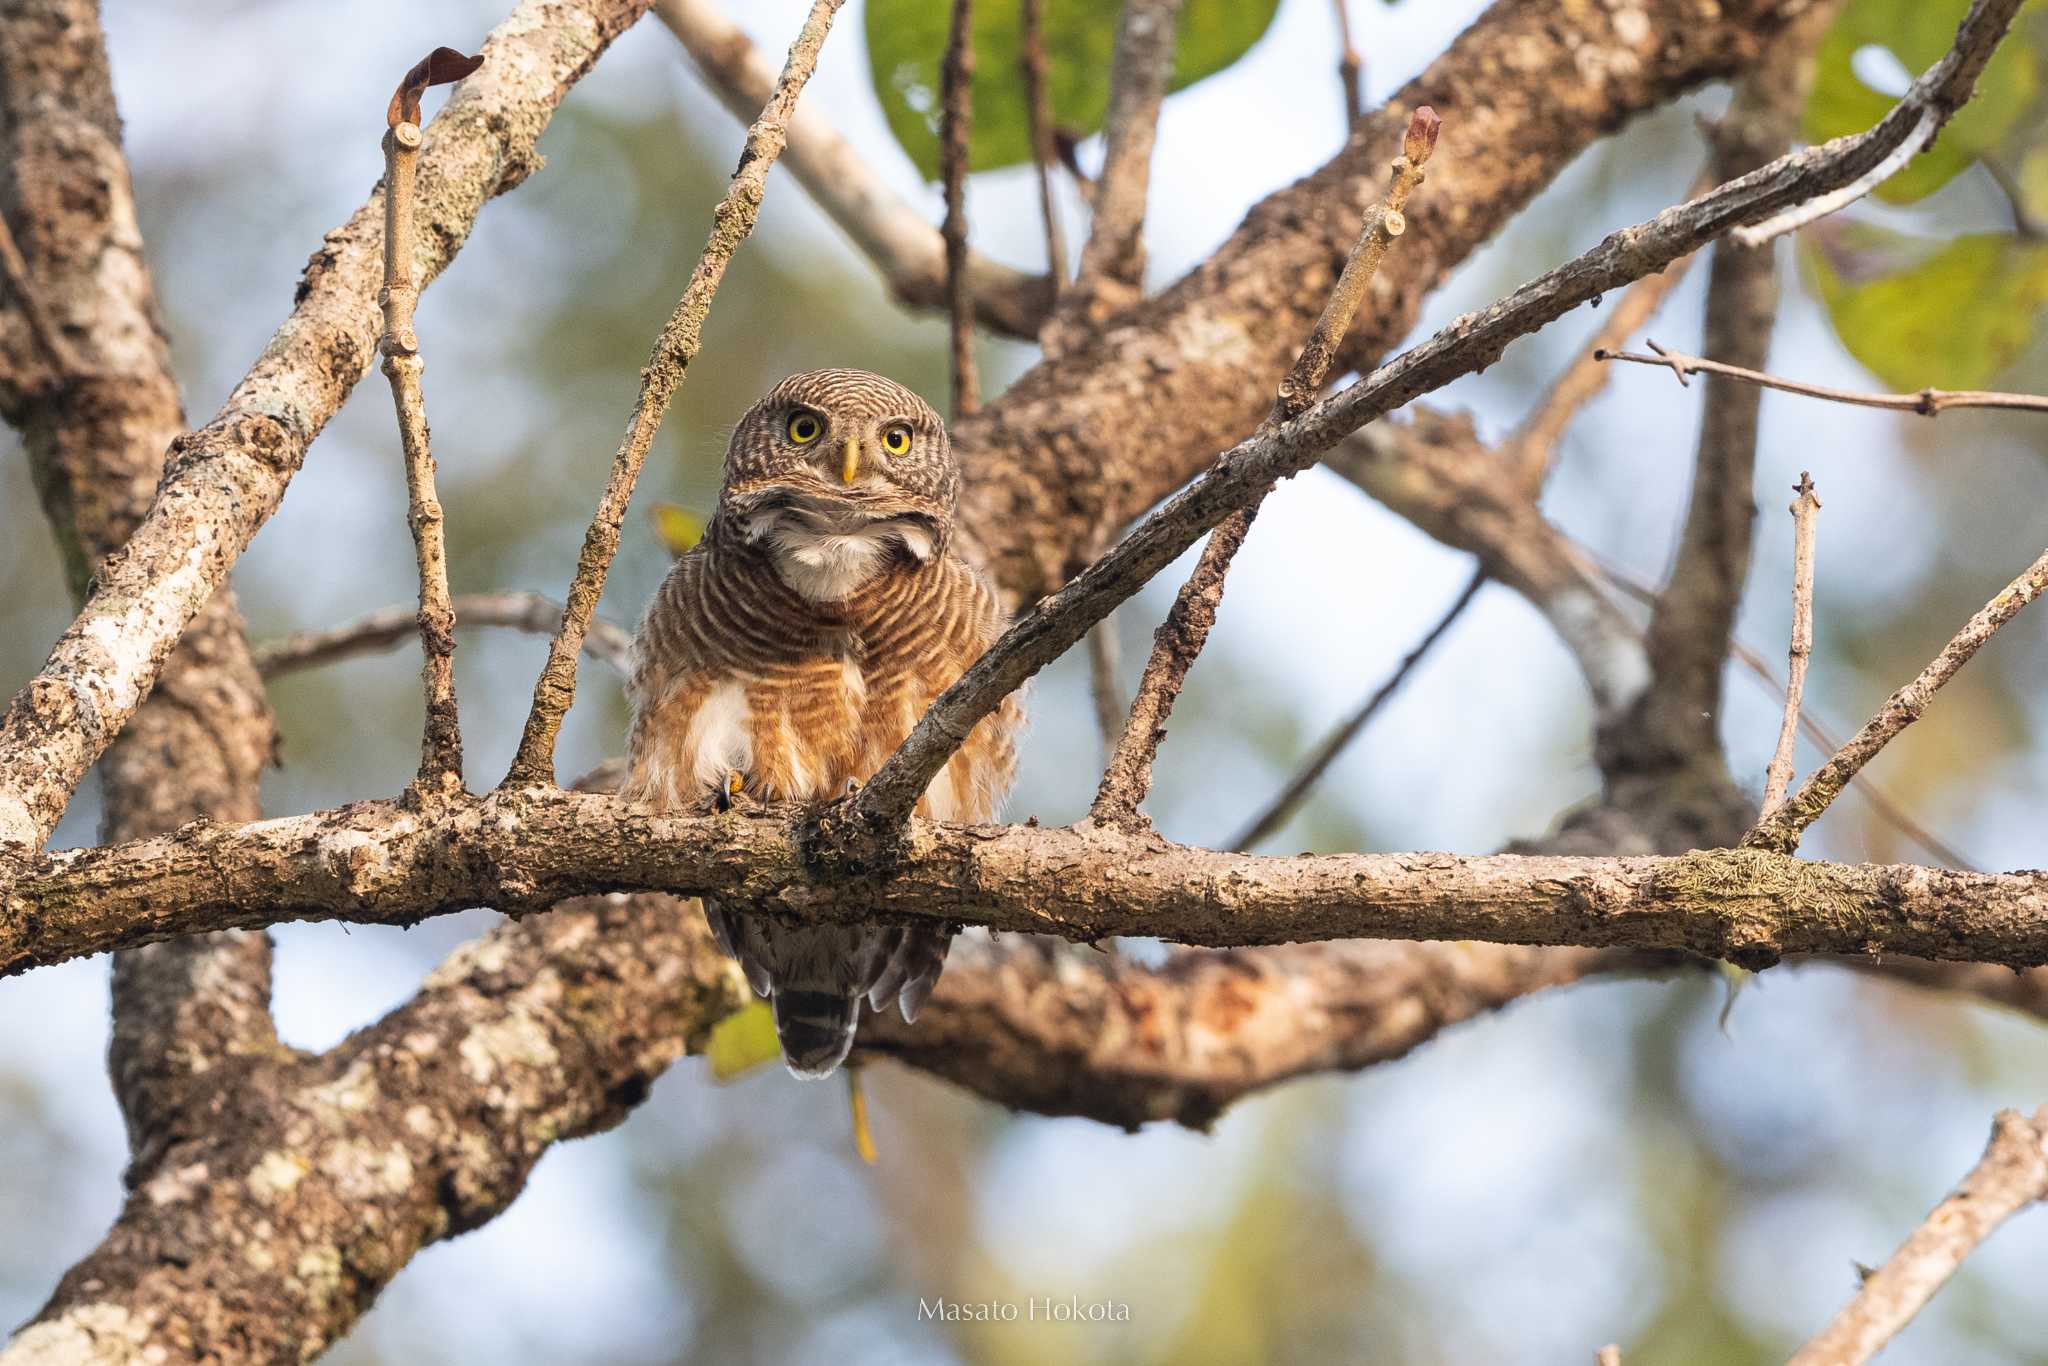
(907, 38)
(743, 1041)
(1918, 32)
(1921, 313)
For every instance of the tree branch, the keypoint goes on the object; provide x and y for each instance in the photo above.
(389, 627)
(956, 117)
(224, 480)
(1113, 258)
(1927, 402)
(1089, 439)
(1781, 829)
(1242, 473)
(885, 227)
(1675, 720)
(2012, 1174)
(187, 1014)
(441, 743)
(1778, 777)
(1289, 798)
(523, 850)
(1180, 638)
(731, 221)
(1045, 153)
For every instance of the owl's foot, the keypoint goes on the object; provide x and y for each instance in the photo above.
(731, 794)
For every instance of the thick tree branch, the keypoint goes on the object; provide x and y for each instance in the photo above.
(187, 1014)
(224, 480)
(676, 346)
(522, 851)
(886, 228)
(2012, 1175)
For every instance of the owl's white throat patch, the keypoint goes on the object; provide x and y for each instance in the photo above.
(828, 555)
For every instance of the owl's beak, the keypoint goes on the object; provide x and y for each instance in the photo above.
(850, 471)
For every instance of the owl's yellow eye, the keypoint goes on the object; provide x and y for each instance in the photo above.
(804, 428)
(896, 440)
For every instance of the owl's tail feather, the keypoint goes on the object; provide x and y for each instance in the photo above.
(816, 1029)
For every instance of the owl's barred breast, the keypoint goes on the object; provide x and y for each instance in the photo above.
(738, 674)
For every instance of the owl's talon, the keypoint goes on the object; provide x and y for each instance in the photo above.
(731, 794)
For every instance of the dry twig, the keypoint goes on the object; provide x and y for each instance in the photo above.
(1044, 151)
(1344, 732)
(674, 349)
(1113, 257)
(1180, 638)
(2012, 1174)
(887, 228)
(388, 627)
(1928, 123)
(1106, 692)
(1350, 66)
(956, 118)
(1783, 827)
(1926, 402)
(1805, 511)
(441, 743)
(1888, 810)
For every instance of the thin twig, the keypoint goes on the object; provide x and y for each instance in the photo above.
(441, 744)
(1341, 735)
(887, 228)
(673, 351)
(1038, 107)
(1350, 66)
(1104, 660)
(1240, 475)
(1813, 210)
(1180, 638)
(956, 118)
(2012, 1174)
(388, 627)
(1823, 739)
(1805, 512)
(1113, 257)
(58, 357)
(1532, 449)
(1927, 402)
(1783, 827)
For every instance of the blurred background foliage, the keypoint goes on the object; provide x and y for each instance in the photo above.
(1605, 1164)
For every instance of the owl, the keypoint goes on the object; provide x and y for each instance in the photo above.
(790, 652)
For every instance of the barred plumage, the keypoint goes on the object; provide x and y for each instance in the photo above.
(793, 649)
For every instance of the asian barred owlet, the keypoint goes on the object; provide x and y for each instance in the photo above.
(793, 648)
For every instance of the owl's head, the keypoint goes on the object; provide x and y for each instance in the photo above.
(836, 472)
